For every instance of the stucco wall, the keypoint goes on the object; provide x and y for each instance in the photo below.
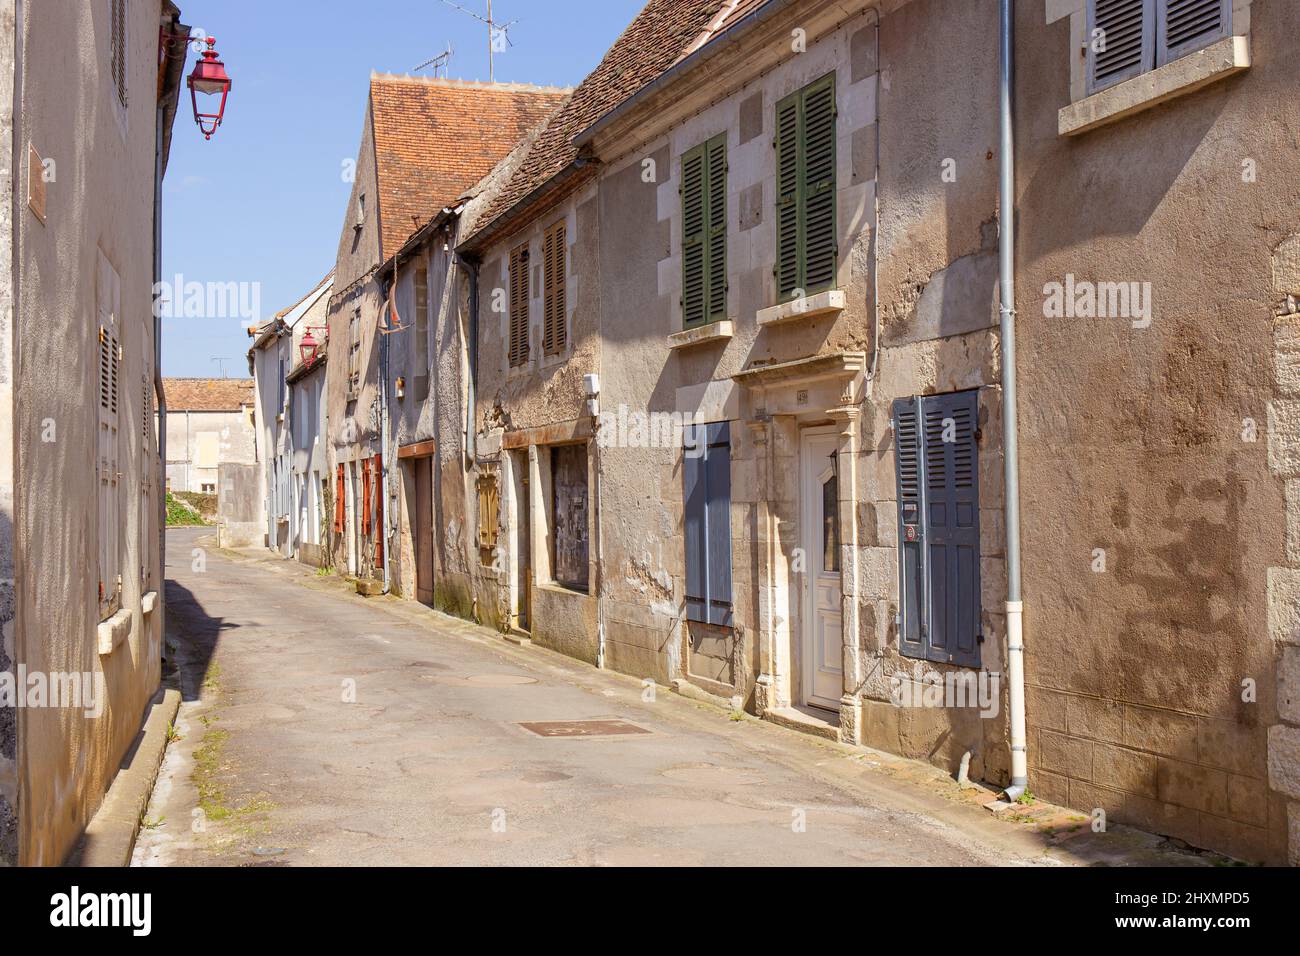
(532, 407)
(8, 716)
(641, 270)
(234, 437)
(1136, 442)
(354, 422)
(101, 201)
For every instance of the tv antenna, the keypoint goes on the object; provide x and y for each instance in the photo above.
(220, 360)
(498, 39)
(439, 62)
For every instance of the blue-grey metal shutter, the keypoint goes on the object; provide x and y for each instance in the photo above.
(717, 467)
(694, 525)
(1125, 32)
(706, 473)
(950, 472)
(1184, 26)
(907, 459)
(937, 467)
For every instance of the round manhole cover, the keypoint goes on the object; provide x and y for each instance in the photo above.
(499, 680)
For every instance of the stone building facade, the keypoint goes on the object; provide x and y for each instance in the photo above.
(80, 477)
(209, 421)
(726, 330)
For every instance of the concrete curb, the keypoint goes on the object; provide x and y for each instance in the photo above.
(110, 837)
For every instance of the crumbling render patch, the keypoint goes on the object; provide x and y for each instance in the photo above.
(658, 586)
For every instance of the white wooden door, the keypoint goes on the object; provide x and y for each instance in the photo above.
(821, 660)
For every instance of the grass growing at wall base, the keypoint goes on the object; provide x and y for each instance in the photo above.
(180, 514)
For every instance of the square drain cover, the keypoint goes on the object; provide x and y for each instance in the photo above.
(582, 728)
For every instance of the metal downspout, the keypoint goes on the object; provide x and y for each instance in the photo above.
(472, 347)
(1010, 443)
(384, 431)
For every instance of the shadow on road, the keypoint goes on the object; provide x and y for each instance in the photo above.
(192, 636)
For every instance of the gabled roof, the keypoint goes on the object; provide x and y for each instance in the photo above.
(288, 317)
(663, 33)
(207, 394)
(434, 138)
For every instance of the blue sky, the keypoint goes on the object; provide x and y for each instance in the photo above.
(263, 201)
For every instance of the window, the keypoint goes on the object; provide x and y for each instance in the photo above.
(118, 59)
(361, 212)
(354, 353)
(806, 250)
(569, 516)
(830, 556)
(208, 488)
(108, 299)
(706, 521)
(1130, 37)
(518, 306)
(488, 511)
(937, 462)
(554, 290)
(421, 332)
(704, 233)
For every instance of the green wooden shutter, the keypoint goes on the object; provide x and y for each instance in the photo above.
(704, 233)
(716, 245)
(694, 236)
(789, 250)
(818, 186)
(806, 249)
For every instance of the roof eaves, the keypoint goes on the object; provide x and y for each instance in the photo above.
(484, 236)
(170, 81)
(718, 44)
(443, 216)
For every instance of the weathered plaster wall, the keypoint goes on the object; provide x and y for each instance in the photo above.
(353, 423)
(641, 269)
(236, 442)
(8, 716)
(938, 272)
(1137, 441)
(240, 513)
(102, 199)
(539, 404)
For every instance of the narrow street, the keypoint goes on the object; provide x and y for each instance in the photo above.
(430, 764)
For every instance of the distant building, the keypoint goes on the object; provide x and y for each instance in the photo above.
(424, 142)
(209, 422)
(290, 418)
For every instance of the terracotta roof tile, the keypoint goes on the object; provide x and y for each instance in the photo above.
(434, 138)
(207, 394)
(663, 33)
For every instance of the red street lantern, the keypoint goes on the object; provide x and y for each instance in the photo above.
(209, 77)
(307, 348)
